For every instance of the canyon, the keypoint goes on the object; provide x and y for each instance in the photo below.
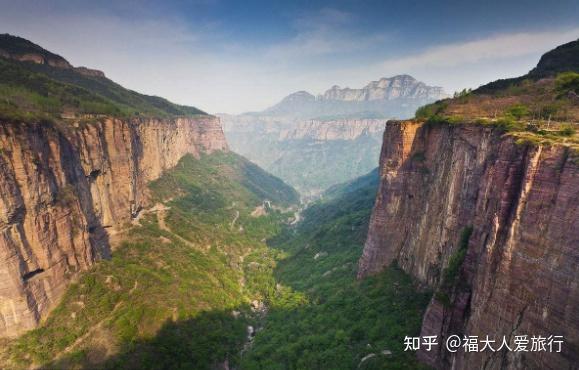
(310, 155)
(314, 142)
(127, 223)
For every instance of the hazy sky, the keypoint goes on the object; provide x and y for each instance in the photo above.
(236, 56)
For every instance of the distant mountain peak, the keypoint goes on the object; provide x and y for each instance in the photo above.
(396, 96)
(300, 95)
(386, 88)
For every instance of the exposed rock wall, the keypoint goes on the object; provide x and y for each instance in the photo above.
(346, 129)
(520, 275)
(62, 188)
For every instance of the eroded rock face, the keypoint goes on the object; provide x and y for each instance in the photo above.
(520, 275)
(349, 129)
(63, 188)
(401, 86)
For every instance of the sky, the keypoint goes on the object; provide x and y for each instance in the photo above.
(239, 56)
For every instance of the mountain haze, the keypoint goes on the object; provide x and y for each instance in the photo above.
(314, 142)
(394, 97)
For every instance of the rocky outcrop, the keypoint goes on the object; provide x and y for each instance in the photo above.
(520, 274)
(401, 86)
(22, 50)
(65, 187)
(397, 96)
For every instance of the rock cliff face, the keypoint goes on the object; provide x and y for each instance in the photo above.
(310, 155)
(65, 189)
(520, 274)
(349, 129)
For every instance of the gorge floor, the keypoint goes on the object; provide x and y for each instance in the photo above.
(177, 292)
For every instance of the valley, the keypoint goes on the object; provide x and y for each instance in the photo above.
(197, 257)
(314, 142)
(135, 233)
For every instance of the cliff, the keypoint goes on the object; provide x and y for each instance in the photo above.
(517, 201)
(349, 129)
(310, 155)
(67, 187)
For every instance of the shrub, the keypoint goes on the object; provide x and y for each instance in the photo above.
(508, 123)
(426, 111)
(566, 82)
(450, 273)
(518, 111)
(567, 130)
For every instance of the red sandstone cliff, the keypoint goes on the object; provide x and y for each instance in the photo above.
(64, 189)
(520, 275)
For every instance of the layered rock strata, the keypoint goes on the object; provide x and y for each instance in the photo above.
(520, 271)
(65, 186)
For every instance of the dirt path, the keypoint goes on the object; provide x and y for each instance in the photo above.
(161, 214)
(234, 219)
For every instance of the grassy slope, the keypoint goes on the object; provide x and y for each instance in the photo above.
(31, 91)
(310, 165)
(547, 97)
(165, 298)
(321, 316)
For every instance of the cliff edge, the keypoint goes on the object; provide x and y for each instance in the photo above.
(76, 153)
(479, 202)
(518, 205)
(66, 191)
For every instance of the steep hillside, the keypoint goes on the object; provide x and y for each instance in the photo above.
(324, 318)
(73, 178)
(165, 299)
(37, 84)
(548, 93)
(484, 211)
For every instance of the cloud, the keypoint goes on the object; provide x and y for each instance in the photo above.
(325, 32)
(505, 46)
(199, 63)
(324, 18)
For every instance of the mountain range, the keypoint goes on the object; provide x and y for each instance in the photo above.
(395, 97)
(314, 142)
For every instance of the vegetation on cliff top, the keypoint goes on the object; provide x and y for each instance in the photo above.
(540, 107)
(31, 91)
